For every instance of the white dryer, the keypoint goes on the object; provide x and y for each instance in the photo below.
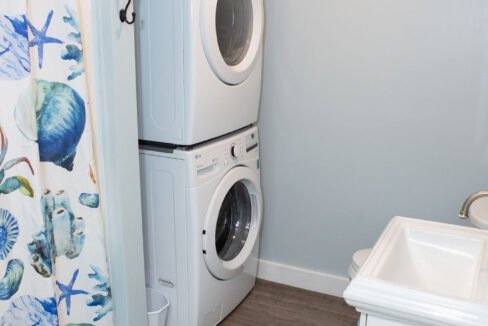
(199, 66)
(202, 211)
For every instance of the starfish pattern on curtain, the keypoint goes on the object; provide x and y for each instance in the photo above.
(53, 263)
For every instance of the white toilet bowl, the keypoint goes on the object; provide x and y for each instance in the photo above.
(358, 260)
(478, 213)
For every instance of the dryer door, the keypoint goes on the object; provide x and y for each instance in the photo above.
(232, 223)
(232, 32)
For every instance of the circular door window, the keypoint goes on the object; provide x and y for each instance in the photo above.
(232, 223)
(231, 33)
(234, 27)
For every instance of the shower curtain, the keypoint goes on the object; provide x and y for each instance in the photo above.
(53, 264)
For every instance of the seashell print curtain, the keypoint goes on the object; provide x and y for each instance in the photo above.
(53, 264)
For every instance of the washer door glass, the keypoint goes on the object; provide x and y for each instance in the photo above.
(234, 222)
(234, 24)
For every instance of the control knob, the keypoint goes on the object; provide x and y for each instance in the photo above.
(235, 150)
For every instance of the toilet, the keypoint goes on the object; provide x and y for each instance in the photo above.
(478, 213)
(358, 260)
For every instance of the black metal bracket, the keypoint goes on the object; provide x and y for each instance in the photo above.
(123, 14)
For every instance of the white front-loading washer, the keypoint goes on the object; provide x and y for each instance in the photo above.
(202, 210)
(199, 66)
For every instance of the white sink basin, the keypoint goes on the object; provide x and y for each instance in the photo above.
(426, 273)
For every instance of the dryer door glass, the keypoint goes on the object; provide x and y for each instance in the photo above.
(233, 223)
(234, 24)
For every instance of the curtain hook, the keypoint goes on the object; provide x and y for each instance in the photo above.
(123, 14)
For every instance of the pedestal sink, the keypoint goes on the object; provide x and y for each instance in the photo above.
(423, 273)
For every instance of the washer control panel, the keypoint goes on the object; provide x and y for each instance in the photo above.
(251, 141)
(230, 151)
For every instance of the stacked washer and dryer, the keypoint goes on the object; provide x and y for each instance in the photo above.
(199, 65)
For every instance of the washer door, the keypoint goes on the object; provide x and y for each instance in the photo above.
(232, 223)
(232, 32)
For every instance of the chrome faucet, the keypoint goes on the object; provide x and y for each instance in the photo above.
(464, 213)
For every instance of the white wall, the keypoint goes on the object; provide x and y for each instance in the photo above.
(370, 109)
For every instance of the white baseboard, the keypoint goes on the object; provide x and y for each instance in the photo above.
(302, 278)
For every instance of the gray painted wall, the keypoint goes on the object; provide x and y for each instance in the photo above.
(370, 109)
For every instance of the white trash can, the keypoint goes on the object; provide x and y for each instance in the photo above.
(157, 307)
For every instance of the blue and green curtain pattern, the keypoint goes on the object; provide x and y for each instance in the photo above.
(53, 264)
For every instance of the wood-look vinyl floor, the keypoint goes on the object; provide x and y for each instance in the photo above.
(281, 305)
